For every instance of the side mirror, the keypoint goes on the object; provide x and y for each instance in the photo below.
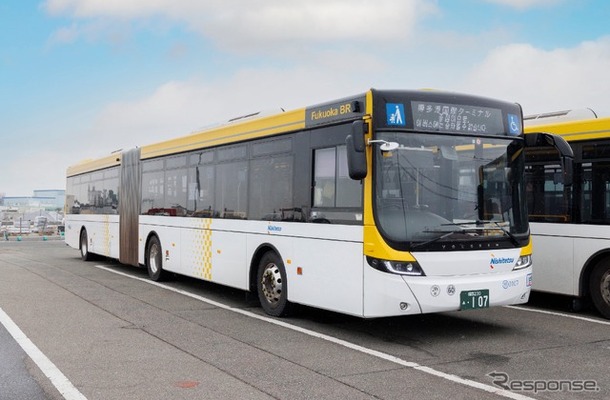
(356, 155)
(566, 154)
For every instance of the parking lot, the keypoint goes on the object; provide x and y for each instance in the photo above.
(110, 333)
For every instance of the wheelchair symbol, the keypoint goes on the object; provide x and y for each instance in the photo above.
(514, 125)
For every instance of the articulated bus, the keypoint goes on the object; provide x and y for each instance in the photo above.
(386, 203)
(570, 223)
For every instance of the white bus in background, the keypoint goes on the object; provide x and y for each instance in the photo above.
(570, 224)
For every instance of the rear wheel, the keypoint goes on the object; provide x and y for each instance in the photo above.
(272, 286)
(154, 260)
(599, 284)
(84, 246)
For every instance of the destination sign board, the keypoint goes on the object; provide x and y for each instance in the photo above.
(446, 117)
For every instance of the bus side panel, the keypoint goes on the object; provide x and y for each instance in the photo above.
(220, 251)
(585, 248)
(229, 261)
(330, 268)
(114, 232)
(168, 230)
(553, 258)
(73, 225)
(561, 251)
(196, 248)
(102, 232)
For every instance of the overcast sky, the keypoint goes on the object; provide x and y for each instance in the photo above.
(82, 78)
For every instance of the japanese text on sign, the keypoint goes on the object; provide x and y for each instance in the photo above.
(429, 116)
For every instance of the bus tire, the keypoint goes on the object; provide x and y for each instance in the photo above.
(271, 285)
(85, 255)
(154, 260)
(599, 285)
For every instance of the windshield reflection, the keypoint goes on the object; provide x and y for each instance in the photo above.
(439, 188)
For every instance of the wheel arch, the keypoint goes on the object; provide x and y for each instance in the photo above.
(585, 273)
(150, 235)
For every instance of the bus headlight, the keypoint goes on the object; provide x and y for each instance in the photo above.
(523, 262)
(411, 268)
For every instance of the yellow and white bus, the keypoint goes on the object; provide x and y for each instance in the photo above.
(570, 224)
(382, 204)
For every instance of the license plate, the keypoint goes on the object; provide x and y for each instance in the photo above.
(474, 299)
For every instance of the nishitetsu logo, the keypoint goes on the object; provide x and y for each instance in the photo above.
(499, 261)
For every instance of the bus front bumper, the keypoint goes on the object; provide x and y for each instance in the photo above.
(438, 294)
(392, 295)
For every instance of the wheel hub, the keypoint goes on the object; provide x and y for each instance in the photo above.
(271, 283)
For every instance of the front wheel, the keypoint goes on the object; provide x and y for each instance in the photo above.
(599, 284)
(154, 260)
(272, 286)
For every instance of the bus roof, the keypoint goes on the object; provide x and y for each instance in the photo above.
(559, 116)
(584, 129)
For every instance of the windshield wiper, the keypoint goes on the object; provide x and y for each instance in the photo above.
(512, 237)
(476, 226)
(481, 225)
(436, 239)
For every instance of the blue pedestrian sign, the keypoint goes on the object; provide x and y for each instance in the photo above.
(395, 113)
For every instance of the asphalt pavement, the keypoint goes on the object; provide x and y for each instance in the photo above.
(113, 334)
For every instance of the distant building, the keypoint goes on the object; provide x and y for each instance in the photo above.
(48, 200)
(59, 196)
(26, 209)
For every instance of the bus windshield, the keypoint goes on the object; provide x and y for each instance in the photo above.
(435, 190)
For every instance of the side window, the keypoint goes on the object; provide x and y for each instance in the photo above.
(153, 187)
(546, 200)
(93, 193)
(595, 194)
(72, 188)
(175, 186)
(201, 185)
(349, 191)
(335, 194)
(110, 195)
(324, 177)
(231, 183)
(271, 188)
(232, 189)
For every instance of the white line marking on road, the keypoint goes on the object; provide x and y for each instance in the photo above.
(332, 339)
(57, 378)
(558, 314)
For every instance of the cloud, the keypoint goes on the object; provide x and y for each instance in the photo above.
(177, 108)
(116, 33)
(66, 34)
(542, 81)
(249, 25)
(45, 169)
